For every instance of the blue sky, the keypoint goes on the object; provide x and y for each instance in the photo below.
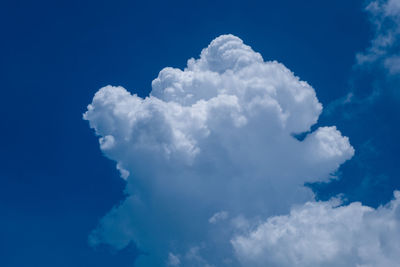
(55, 182)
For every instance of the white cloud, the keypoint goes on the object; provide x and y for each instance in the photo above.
(377, 67)
(216, 136)
(173, 260)
(219, 216)
(325, 234)
(384, 47)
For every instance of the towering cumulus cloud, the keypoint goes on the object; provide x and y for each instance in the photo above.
(210, 155)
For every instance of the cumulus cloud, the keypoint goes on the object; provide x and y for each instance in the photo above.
(215, 136)
(325, 234)
(384, 47)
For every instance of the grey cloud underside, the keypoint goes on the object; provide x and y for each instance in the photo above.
(214, 138)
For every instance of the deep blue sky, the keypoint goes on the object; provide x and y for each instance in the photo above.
(56, 185)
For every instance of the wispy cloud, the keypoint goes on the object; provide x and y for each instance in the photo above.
(384, 48)
(379, 63)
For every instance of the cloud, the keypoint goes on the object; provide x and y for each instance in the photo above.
(173, 260)
(219, 216)
(216, 136)
(376, 69)
(325, 234)
(384, 47)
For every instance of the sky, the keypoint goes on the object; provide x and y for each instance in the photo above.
(285, 120)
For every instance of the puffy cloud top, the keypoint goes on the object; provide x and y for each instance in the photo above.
(227, 67)
(216, 136)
